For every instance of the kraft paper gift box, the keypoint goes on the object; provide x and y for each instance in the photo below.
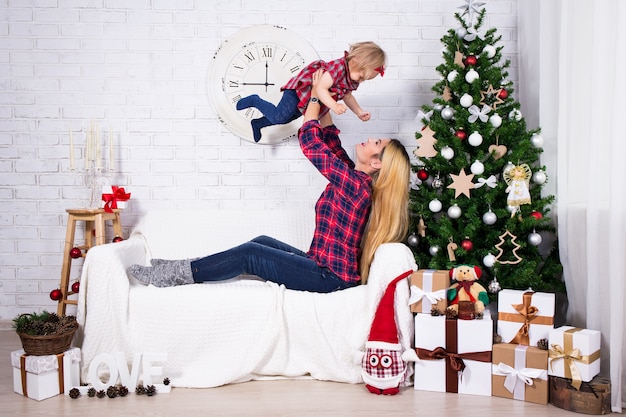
(439, 342)
(428, 290)
(574, 353)
(520, 372)
(114, 197)
(41, 377)
(525, 317)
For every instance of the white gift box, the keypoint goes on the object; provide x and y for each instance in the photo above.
(473, 336)
(38, 377)
(107, 190)
(525, 317)
(574, 351)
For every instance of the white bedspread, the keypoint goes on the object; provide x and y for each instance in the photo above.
(235, 331)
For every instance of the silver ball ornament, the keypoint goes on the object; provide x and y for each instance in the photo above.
(437, 183)
(489, 218)
(412, 240)
(447, 113)
(534, 239)
(539, 177)
(433, 250)
(515, 115)
(536, 140)
(494, 286)
(454, 211)
(508, 167)
(461, 32)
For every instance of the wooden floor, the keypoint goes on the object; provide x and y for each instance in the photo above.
(261, 398)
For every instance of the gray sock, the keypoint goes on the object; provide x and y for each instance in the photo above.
(168, 274)
(160, 261)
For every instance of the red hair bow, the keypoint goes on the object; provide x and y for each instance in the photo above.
(380, 70)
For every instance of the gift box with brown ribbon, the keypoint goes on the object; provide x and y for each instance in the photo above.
(455, 355)
(428, 290)
(520, 372)
(574, 354)
(525, 317)
(41, 377)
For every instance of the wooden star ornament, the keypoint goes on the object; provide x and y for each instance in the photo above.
(491, 97)
(462, 183)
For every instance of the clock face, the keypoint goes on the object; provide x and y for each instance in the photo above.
(256, 60)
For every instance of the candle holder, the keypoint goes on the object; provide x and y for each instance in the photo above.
(95, 179)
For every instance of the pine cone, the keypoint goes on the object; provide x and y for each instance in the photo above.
(166, 381)
(140, 390)
(122, 391)
(150, 390)
(542, 344)
(91, 392)
(74, 393)
(112, 392)
(101, 394)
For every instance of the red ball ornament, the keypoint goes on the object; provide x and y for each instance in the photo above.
(536, 215)
(75, 287)
(460, 134)
(470, 60)
(503, 94)
(467, 245)
(422, 174)
(75, 253)
(56, 294)
(117, 239)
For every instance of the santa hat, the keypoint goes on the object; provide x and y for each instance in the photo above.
(384, 331)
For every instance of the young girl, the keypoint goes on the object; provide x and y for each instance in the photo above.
(364, 61)
(377, 182)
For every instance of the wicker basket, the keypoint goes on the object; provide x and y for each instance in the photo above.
(48, 344)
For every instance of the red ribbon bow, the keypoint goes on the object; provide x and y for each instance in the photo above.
(380, 70)
(110, 200)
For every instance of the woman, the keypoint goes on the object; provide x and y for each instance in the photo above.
(377, 182)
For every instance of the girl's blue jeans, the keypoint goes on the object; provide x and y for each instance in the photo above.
(271, 260)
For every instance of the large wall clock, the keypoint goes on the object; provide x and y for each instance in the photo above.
(256, 60)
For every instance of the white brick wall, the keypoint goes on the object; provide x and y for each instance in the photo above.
(138, 68)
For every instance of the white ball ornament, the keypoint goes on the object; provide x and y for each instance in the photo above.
(435, 206)
(475, 139)
(515, 115)
(512, 209)
(495, 120)
(447, 113)
(461, 32)
(471, 76)
(466, 100)
(539, 177)
(489, 260)
(454, 212)
(452, 75)
(537, 141)
(477, 168)
(433, 250)
(447, 152)
(534, 239)
(490, 50)
(489, 218)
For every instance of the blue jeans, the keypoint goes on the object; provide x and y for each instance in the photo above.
(271, 260)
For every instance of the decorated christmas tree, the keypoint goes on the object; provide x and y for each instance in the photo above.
(476, 196)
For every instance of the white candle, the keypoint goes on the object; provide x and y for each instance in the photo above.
(98, 153)
(87, 148)
(111, 160)
(71, 149)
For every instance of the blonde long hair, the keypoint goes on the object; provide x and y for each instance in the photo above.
(389, 216)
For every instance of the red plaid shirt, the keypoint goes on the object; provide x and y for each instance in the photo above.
(338, 70)
(343, 209)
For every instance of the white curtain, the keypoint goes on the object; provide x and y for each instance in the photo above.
(573, 85)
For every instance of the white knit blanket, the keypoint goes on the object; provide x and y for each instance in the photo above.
(235, 331)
